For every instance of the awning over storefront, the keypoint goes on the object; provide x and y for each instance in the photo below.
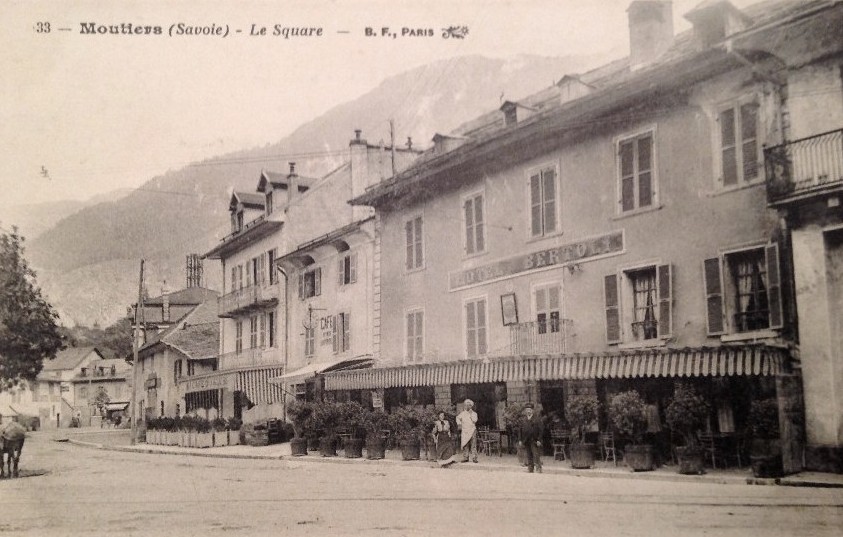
(257, 386)
(116, 406)
(324, 367)
(696, 362)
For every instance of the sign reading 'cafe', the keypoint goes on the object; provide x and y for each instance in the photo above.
(601, 246)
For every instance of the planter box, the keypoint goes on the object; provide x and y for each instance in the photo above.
(639, 457)
(257, 438)
(298, 447)
(220, 438)
(375, 449)
(328, 446)
(582, 455)
(234, 438)
(204, 440)
(410, 450)
(690, 461)
(353, 448)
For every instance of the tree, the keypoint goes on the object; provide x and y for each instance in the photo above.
(101, 400)
(28, 329)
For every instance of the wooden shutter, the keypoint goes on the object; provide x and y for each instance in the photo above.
(549, 200)
(471, 329)
(301, 286)
(352, 264)
(408, 228)
(774, 288)
(346, 331)
(713, 296)
(317, 281)
(419, 256)
(335, 333)
(341, 271)
(479, 233)
(536, 205)
(728, 147)
(613, 320)
(468, 211)
(665, 282)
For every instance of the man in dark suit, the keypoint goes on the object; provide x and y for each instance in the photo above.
(531, 438)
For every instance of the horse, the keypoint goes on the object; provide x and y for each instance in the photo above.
(12, 436)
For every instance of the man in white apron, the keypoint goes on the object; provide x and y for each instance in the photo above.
(467, 423)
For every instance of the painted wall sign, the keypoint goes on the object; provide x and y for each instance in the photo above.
(611, 243)
(208, 383)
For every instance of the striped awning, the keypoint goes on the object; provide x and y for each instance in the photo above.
(692, 362)
(255, 384)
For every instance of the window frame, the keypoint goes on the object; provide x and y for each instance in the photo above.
(475, 299)
(416, 356)
(557, 200)
(625, 304)
(650, 130)
(545, 285)
(416, 265)
(735, 106)
(238, 336)
(482, 235)
(316, 287)
(341, 332)
(309, 342)
(347, 269)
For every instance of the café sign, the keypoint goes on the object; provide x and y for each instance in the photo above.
(215, 382)
(585, 249)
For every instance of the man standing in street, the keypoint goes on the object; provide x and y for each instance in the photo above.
(531, 439)
(467, 423)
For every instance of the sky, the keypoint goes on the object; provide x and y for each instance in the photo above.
(85, 114)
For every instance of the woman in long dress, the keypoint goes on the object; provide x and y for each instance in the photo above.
(444, 443)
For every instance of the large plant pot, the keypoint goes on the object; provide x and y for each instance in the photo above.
(639, 457)
(328, 446)
(375, 449)
(298, 447)
(234, 438)
(257, 438)
(582, 455)
(220, 438)
(204, 440)
(766, 465)
(690, 460)
(410, 450)
(313, 443)
(353, 448)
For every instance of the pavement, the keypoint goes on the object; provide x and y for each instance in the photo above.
(118, 440)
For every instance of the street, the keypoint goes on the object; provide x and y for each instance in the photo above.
(97, 492)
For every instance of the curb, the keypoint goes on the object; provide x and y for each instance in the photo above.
(645, 476)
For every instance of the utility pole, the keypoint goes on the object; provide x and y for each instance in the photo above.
(135, 346)
(392, 143)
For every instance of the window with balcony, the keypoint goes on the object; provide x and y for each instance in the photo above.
(347, 269)
(414, 233)
(475, 327)
(740, 151)
(547, 302)
(474, 220)
(262, 330)
(743, 291)
(543, 191)
(253, 332)
(636, 178)
(310, 283)
(638, 304)
(415, 336)
(342, 332)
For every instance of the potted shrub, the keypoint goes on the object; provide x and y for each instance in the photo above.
(686, 414)
(628, 417)
(375, 423)
(204, 433)
(326, 420)
(766, 449)
(581, 412)
(233, 425)
(513, 417)
(407, 423)
(220, 436)
(301, 414)
(352, 418)
(173, 432)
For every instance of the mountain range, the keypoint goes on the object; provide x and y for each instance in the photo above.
(87, 254)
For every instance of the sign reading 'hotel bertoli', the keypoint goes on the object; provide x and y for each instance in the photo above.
(609, 244)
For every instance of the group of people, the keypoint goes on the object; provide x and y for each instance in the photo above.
(530, 437)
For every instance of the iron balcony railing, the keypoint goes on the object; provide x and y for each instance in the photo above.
(254, 296)
(554, 336)
(256, 357)
(806, 167)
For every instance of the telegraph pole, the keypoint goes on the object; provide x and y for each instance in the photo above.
(135, 346)
(392, 143)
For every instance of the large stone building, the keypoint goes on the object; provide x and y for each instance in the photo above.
(614, 232)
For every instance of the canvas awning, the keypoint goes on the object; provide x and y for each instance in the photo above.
(310, 370)
(258, 386)
(697, 362)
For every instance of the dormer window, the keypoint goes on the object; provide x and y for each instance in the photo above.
(84, 372)
(269, 203)
(715, 21)
(236, 220)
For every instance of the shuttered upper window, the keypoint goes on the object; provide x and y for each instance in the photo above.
(347, 269)
(739, 147)
(415, 336)
(413, 230)
(639, 304)
(543, 187)
(636, 172)
(475, 228)
(475, 327)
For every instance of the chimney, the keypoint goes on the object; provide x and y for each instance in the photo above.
(362, 173)
(292, 184)
(650, 31)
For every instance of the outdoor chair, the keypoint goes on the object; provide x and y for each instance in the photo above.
(719, 447)
(491, 440)
(559, 441)
(607, 447)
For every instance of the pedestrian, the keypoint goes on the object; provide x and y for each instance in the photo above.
(531, 439)
(443, 441)
(467, 424)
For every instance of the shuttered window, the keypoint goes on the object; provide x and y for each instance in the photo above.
(341, 332)
(415, 336)
(347, 269)
(635, 165)
(475, 327)
(548, 305)
(739, 148)
(310, 283)
(543, 194)
(414, 252)
(475, 228)
(613, 321)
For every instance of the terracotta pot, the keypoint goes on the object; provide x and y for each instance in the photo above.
(375, 449)
(639, 457)
(298, 446)
(766, 465)
(582, 455)
(690, 460)
(410, 450)
(353, 448)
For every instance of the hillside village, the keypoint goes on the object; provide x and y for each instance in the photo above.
(671, 218)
